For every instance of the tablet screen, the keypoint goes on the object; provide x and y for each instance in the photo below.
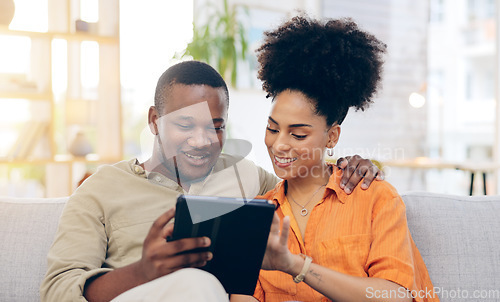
(238, 230)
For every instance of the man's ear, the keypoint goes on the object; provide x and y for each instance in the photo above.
(333, 136)
(153, 117)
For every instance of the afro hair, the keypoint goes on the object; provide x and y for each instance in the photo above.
(332, 62)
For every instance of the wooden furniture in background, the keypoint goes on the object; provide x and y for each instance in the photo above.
(425, 163)
(55, 112)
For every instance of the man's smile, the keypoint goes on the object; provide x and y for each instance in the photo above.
(197, 158)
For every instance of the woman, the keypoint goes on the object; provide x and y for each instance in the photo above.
(332, 246)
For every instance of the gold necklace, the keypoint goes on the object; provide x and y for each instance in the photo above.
(304, 211)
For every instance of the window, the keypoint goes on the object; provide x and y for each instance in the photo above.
(437, 11)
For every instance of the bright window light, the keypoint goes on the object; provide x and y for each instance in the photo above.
(89, 10)
(31, 15)
(153, 33)
(59, 66)
(16, 57)
(417, 100)
(14, 111)
(90, 64)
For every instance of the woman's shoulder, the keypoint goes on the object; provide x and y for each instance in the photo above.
(382, 195)
(379, 191)
(380, 187)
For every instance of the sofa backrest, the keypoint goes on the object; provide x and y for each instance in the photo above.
(27, 229)
(459, 239)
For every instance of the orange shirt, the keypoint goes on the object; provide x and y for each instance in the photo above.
(363, 234)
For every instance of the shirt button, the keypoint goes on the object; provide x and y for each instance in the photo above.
(158, 178)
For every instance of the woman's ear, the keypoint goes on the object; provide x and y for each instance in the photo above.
(153, 117)
(333, 136)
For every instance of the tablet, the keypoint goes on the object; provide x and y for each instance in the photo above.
(238, 230)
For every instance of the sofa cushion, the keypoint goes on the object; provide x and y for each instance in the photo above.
(459, 239)
(27, 229)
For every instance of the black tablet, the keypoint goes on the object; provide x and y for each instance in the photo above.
(238, 230)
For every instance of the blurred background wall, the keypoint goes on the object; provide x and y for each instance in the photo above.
(432, 126)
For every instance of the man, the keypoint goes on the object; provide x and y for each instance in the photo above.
(100, 252)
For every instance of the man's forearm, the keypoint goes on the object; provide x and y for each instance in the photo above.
(107, 286)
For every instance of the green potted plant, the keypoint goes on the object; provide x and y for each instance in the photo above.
(221, 41)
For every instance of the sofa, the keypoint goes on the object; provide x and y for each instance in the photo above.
(458, 237)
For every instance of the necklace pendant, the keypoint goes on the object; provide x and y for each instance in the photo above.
(304, 212)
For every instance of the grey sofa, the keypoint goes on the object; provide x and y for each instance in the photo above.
(458, 237)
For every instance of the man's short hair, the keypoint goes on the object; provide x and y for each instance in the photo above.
(187, 73)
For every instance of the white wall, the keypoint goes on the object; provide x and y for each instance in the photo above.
(390, 128)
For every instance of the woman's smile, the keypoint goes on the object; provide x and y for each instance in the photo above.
(283, 162)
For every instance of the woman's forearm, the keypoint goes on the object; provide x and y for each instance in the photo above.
(341, 287)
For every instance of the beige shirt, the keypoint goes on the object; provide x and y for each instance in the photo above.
(106, 220)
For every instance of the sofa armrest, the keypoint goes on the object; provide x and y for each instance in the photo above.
(459, 239)
(27, 229)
